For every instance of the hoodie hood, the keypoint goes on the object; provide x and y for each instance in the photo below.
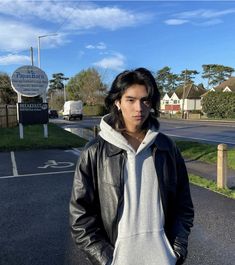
(116, 138)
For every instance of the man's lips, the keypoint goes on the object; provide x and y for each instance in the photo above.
(138, 117)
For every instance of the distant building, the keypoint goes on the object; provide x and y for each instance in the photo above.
(185, 99)
(226, 86)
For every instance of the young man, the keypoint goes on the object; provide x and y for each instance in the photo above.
(131, 202)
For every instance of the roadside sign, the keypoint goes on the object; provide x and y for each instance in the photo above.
(33, 113)
(29, 81)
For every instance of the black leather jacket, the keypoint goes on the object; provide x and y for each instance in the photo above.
(97, 196)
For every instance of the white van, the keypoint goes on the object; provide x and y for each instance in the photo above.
(73, 109)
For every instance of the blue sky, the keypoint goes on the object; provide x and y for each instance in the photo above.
(117, 35)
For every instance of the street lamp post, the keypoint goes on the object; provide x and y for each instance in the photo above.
(39, 46)
(39, 66)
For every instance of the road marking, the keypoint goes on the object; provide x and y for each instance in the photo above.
(37, 174)
(75, 151)
(14, 166)
(54, 164)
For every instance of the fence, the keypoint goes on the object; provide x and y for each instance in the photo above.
(8, 116)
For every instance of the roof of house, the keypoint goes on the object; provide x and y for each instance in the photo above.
(191, 91)
(228, 83)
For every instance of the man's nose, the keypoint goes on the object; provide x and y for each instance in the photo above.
(139, 106)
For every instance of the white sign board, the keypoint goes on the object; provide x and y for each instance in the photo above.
(29, 81)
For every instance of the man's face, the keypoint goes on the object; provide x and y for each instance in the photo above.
(135, 107)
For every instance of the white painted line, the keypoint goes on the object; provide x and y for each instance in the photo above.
(37, 174)
(75, 151)
(14, 166)
(202, 139)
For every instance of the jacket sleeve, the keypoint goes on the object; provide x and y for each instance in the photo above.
(184, 210)
(85, 220)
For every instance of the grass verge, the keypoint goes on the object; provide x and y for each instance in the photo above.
(34, 138)
(204, 152)
(211, 185)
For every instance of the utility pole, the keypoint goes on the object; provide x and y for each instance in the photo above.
(185, 78)
(31, 55)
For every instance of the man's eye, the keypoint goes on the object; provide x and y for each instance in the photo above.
(146, 102)
(130, 100)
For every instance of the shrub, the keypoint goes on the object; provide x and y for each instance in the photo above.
(219, 104)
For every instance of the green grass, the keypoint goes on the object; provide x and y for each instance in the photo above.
(34, 138)
(211, 185)
(204, 152)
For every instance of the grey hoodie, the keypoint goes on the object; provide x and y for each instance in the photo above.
(141, 239)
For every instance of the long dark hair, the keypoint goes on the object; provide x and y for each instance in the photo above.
(121, 83)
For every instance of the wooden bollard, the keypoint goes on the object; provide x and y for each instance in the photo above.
(222, 162)
(95, 130)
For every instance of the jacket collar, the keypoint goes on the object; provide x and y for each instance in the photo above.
(113, 150)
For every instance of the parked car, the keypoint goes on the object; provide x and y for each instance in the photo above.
(73, 109)
(52, 113)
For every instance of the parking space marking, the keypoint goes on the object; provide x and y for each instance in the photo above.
(75, 151)
(14, 166)
(37, 174)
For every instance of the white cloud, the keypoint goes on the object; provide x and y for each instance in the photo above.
(90, 47)
(14, 59)
(176, 21)
(115, 62)
(99, 46)
(202, 17)
(105, 17)
(20, 36)
(205, 13)
(210, 22)
(73, 15)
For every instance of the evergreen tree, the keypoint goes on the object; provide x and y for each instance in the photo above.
(216, 73)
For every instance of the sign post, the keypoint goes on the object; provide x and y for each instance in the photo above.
(30, 81)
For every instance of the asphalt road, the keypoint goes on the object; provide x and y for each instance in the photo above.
(35, 189)
(203, 131)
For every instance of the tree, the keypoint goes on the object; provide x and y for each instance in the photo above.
(56, 87)
(7, 94)
(56, 101)
(87, 86)
(57, 81)
(166, 80)
(186, 76)
(216, 73)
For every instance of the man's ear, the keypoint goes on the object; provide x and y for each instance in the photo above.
(117, 103)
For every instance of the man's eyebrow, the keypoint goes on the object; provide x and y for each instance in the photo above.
(143, 98)
(130, 97)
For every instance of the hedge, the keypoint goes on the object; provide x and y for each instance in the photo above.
(219, 104)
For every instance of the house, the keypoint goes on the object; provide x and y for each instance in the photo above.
(226, 86)
(184, 98)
